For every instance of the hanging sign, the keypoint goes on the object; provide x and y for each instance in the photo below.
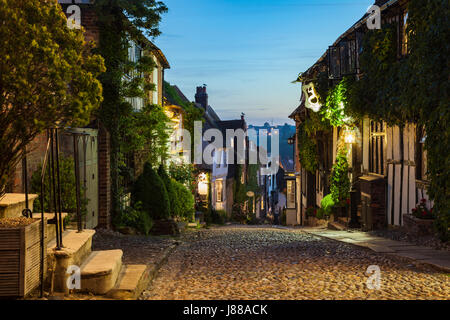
(312, 99)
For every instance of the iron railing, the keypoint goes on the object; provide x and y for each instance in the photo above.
(51, 166)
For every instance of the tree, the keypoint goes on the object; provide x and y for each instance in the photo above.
(340, 181)
(47, 76)
(118, 22)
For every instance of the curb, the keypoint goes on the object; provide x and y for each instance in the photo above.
(391, 255)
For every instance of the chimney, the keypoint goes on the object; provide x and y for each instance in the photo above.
(201, 96)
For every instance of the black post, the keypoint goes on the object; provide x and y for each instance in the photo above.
(77, 181)
(60, 225)
(354, 223)
(26, 212)
(55, 205)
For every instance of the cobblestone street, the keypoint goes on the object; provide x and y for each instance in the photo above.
(267, 263)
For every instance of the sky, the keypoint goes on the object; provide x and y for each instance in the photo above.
(248, 52)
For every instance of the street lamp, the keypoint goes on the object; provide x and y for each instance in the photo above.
(350, 139)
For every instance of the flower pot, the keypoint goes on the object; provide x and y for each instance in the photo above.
(20, 259)
(416, 226)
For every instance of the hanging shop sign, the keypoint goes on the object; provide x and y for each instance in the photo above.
(312, 99)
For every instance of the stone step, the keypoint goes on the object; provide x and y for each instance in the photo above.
(335, 226)
(133, 279)
(100, 271)
(51, 229)
(76, 248)
(343, 221)
(12, 204)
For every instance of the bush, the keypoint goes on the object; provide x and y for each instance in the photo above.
(340, 182)
(218, 216)
(68, 188)
(184, 201)
(150, 190)
(327, 205)
(169, 187)
(135, 218)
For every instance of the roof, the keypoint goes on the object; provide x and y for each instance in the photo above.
(383, 4)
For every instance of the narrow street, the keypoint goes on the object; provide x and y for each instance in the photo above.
(237, 262)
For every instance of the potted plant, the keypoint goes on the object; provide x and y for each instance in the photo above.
(20, 256)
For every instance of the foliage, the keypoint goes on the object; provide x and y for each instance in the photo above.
(68, 187)
(421, 211)
(134, 217)
(119, 21)
(311, 212)
(321, 214)
(335, 109)
(150, 190)
(218, 217)
(47, 76)
(147, 130)
(184, 201)
(308, 156)
(170, 189)
(327, 205)
(339, 179)
(183, 173)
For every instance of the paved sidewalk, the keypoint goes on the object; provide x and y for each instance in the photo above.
(418, 254)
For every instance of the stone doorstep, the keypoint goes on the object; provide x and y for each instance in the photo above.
(100, 271)
(12, 204)
(133, 279)
(73, 242)
(77, 246)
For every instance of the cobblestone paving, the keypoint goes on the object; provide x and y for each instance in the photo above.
(266, 263)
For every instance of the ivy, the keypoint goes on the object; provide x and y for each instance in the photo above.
(307, 140)
(119, 21)
(335, 109)
(339, 179)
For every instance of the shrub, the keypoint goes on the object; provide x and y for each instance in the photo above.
(135, 218)
(218, 216)
(340, 182)
(327, 205)
(184, 201)
(311, 212)
(321, 214)
(169, 187)
(150, 190)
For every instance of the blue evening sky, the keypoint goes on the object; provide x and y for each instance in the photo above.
(249, 51)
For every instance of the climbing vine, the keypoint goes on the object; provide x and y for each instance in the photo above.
(307, 134)
(118, 22)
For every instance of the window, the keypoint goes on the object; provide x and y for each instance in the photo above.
(377, 145)
(290, 203)
(219, 190)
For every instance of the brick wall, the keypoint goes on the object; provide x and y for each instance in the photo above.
(104, 179)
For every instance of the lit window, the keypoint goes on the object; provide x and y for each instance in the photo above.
(219, 190)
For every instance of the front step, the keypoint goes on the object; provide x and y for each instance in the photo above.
(76, 248)
(100, 271)
(133, 279)
(336, 226)
(12, 204)
(51, 229)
